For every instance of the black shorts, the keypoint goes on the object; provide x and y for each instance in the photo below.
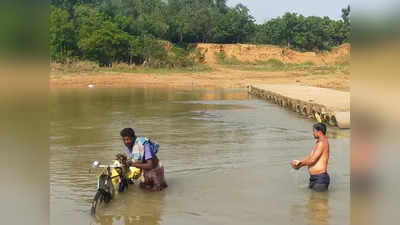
(319, 182)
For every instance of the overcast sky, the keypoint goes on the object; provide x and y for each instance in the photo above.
(263, 10)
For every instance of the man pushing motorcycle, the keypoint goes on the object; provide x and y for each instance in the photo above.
(141, 153)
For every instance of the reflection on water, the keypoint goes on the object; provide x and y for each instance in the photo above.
(226, 158)
(314, 211)
(126, 220)
(136, 208)
(318, 209)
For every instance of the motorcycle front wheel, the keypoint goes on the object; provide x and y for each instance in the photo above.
(97, 200)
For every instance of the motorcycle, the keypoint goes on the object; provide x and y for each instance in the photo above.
(113, 179)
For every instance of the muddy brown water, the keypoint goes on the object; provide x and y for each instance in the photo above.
(226, 156)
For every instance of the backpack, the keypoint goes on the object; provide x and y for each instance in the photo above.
(153, 144)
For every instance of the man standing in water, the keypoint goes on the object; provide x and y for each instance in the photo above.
(141, 155)
(317, 160)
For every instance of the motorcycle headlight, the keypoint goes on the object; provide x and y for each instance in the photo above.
(117, 164)
(95, 164)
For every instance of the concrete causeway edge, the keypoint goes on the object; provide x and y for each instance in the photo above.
(311, 105)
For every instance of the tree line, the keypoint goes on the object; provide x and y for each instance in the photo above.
(130, 31)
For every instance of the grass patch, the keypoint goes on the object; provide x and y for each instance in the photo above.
(224, 60)
(270, 65)
(193, 69)
(221, 58)
(74, 66)
(88, 67)
(168, 58)
(277, 65)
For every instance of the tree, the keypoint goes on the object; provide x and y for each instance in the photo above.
(199, 25)
(302, 33)
(61, 35)
(347, 23)
(100, 39)
(106, 45)
(236, 26)
(346, 15)
(149, 16)
(221, 6)
(69, 4)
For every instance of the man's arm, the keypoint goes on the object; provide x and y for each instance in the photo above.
(313, 158)
(296, 163)
(147, 165)
(306, 158)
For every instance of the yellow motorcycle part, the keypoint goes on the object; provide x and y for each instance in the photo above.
(115, 179)
(134, 173)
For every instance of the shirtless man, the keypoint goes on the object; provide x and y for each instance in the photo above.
(317, 160)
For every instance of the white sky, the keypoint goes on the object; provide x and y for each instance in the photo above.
(263, 10)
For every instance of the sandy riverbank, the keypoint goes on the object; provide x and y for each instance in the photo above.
(243, 65)
(222, 77)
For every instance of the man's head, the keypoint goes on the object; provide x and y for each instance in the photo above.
(319, 129)
(128, 137)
